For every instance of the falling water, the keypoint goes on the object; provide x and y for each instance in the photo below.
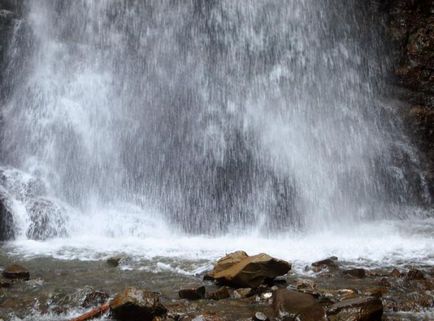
(203, 116)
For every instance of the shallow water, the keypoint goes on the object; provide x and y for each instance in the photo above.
(164, 260)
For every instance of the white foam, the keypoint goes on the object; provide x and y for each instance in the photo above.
(376, 244)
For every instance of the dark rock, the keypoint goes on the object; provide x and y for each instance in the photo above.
(6, 220)
(47, 220)
(5, 284)
(359, 309)
(220, 294)
(356, 273)
(410, 26)
(12, 5)
(330, 264)
(239, 270)
(289, 304)
(114, 261)
(415, 275)
(279, 281)
(259, 316)
(95, 298)
(395, 273)
(17, 272)
(193, 293)
(136, 305)
(59, 310)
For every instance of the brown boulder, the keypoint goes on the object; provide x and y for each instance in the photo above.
(193, 293)
(355, 273)
(292, 304)
(136, 305)
(240, 270)
(359, 309)
(17, 272)
(330, 264)
(228, 261)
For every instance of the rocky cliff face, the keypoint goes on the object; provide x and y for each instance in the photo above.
(409, 25)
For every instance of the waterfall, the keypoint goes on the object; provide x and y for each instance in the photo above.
(205, 116)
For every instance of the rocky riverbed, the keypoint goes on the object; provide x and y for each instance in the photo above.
(64, 289)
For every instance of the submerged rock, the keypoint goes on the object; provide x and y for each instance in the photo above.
(16, 272)
(305, 284)
(330, 264)
(220, 294)
(136, 305)
(415, 274)
(395, 273)
(193, 293)
(240, 270)
(305, 307)
(95, 298)
(359, 309)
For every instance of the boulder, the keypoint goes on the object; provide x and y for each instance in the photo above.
(136, 305)
(330, 264)
(358, 309)
(114, 261)
(16, 272)
(355, 273)
(289, 304)
(228, 261)
(6, 220)
(193, 293)
(240, 270)
(415, 275)
(47, 219)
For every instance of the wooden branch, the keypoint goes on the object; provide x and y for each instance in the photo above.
(94, 313)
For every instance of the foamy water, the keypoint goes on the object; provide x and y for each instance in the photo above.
(386, 243)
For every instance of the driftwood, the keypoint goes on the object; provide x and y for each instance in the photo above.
(94, 313)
